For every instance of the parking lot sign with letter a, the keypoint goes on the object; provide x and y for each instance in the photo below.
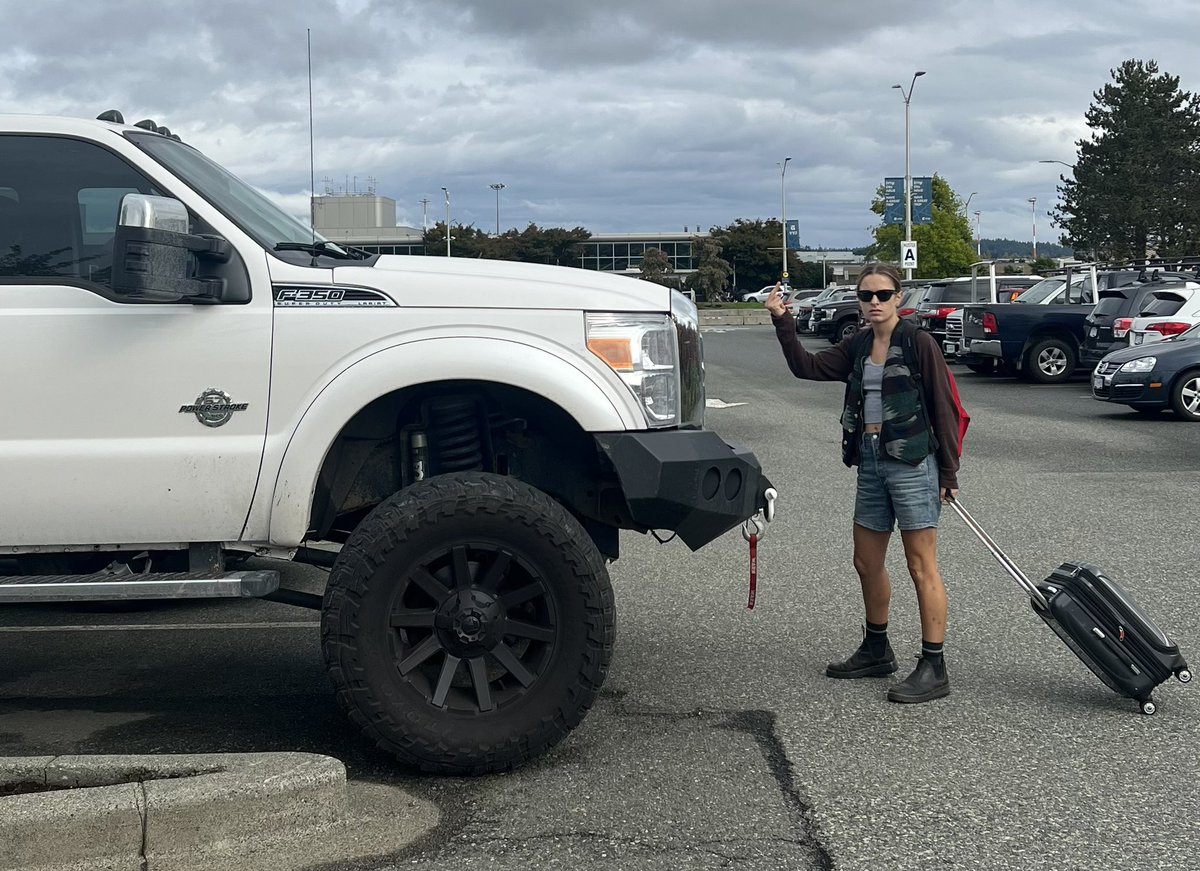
(908, 255)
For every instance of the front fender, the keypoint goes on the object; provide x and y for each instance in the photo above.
(595, 403)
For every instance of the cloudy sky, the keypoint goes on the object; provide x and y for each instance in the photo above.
(626, 115)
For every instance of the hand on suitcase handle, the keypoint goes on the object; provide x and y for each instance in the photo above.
(948, 495)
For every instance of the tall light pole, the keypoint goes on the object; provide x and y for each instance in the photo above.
(907, 173)
(978, 237)
(1033, 213)
(447, 193)
(783, 212)
(424, 201)
(967, 204)
(497, 187)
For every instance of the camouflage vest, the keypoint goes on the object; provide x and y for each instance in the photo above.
(906, 435)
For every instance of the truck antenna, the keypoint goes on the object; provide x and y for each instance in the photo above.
(312, 161)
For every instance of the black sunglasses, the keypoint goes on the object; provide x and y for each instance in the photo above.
(881, 295)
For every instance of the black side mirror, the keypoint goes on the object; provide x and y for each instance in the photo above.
(156, 258)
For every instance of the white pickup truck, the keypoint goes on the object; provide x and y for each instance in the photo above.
(198, 385)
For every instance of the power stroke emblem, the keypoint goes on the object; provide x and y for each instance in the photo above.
(214, 407)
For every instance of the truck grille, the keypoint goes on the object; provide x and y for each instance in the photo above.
(954, 327)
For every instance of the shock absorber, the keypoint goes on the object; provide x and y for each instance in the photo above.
(454, 434)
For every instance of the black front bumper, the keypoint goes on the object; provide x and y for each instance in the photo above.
(688, 481)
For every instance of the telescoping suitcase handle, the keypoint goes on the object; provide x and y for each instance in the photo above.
(1001, 557)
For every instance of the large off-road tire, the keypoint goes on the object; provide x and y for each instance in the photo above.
(1185, 396)
(1050, 361)
(468, 624)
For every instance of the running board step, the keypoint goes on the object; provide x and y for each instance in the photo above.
(110, 586)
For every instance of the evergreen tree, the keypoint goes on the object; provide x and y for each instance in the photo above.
(712, 272)
(656, 267)
(1135, 190)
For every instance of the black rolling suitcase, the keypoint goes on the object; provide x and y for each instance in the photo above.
(1099, 622)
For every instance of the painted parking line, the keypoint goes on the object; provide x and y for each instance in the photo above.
(158, 627)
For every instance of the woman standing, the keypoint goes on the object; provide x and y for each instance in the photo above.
(900, 427)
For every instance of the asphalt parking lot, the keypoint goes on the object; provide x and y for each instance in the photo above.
(717, 741)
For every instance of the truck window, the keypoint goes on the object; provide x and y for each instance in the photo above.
(59, 200)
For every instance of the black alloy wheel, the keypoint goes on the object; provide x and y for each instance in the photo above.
(468, 624)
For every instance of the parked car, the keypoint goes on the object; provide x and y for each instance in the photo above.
(1109, 323)
(1172, 311)
(1150, 379)
(793, 298)
(761, 295)
(804, 308)
(837, 317)
(945, 297)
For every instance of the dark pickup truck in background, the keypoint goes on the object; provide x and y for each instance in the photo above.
(1038, 335)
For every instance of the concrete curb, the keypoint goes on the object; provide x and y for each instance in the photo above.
(733, 317)
(183, 812)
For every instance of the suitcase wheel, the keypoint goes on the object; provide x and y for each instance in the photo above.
(1183, 675)
(1148, 707)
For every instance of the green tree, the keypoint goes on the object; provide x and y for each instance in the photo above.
(747, 247)
(1042, 264)
(656, 267)
(1135, 188)
(712, 272)
(945, 247)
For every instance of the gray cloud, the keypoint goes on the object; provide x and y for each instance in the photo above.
(627, 115)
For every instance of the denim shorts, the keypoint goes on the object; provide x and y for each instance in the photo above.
(890, 491)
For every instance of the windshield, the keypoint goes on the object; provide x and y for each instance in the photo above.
(253, 212)
(1040, 292)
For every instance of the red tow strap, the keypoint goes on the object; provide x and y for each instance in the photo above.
(753, 571)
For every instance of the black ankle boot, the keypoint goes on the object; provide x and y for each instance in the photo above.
(864, 663)
(927, 682)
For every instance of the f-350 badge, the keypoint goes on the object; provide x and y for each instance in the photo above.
(214, 407)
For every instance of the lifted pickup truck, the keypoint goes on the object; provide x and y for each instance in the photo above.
(206, 386)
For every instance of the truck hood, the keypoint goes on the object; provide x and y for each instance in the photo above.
(460, 282)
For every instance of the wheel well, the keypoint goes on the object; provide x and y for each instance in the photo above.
(1050, 334)
(1179, 376)
(464, 426)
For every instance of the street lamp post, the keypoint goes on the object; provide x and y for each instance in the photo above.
(967, 205)
(447, 193)
(497, 187)
(424, 201)
(1033, 213)
(978, 237)
(783, 212)
(907, 173)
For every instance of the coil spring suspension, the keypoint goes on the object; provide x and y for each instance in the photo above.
(454, 434)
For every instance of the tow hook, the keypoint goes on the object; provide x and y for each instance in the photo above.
(757, 524)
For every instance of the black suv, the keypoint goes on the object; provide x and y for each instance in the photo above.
(1108, 323)
(836, 317)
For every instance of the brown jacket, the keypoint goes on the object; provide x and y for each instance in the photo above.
(835, 364)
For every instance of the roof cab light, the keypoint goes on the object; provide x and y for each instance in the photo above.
(1170, 328)
(1121, 327)
(990, 327)
(642, 351)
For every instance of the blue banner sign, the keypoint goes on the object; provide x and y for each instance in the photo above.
(793, 235)
(893, 201)
(922, 200)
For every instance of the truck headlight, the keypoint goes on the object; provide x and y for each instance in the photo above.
(641, 350)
